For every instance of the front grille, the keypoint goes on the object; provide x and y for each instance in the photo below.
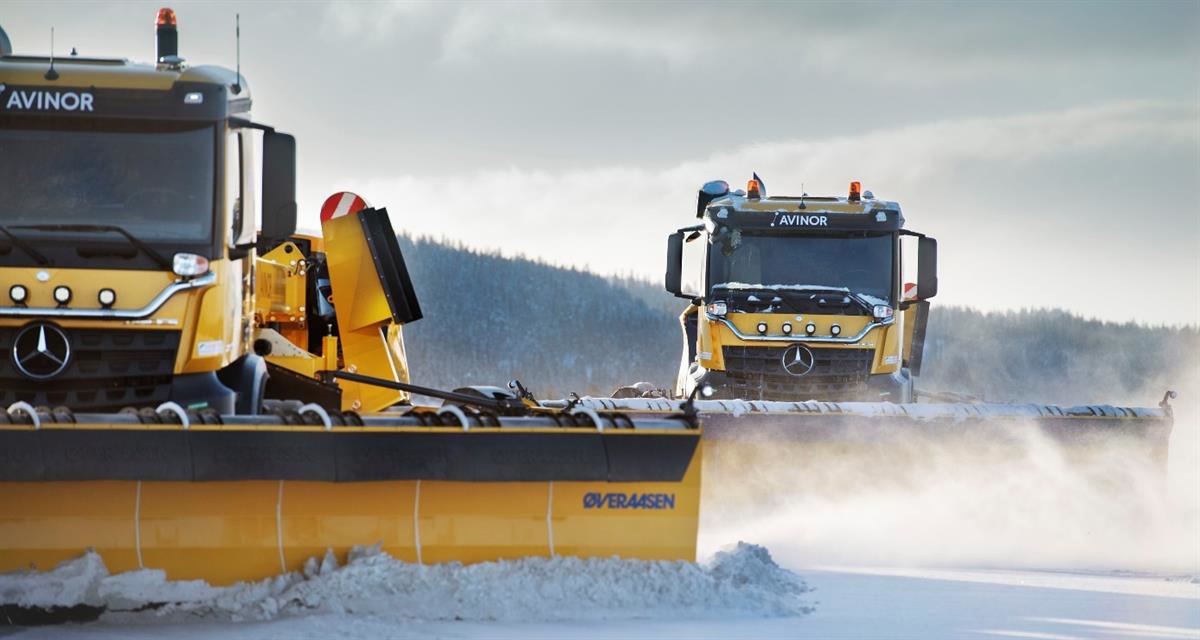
(108, 370)
(756, 373)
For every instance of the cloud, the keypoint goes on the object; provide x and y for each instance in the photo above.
(614, 219)
(877, 45)
(477, 29)
(376, 21)
(468, 32)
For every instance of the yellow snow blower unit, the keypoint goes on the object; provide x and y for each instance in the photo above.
(189, 385)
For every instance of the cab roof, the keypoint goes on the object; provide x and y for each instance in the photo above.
(114, 73)
(804, 213)
(117, 88)
(806, 204)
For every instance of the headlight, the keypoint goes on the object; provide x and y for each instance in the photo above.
(835, 330)
(762, 327)
(718, 308)
(787, 328)
(18, 293)
(106, 297)
(810, 328)
(883, 312)
(189, 264)
(62, 295)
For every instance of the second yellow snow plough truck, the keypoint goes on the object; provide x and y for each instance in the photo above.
(801, 328)
(188, 385)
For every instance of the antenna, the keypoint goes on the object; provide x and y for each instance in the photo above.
(237, 83)
(51, 74)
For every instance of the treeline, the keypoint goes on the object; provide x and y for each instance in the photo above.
(490, 319)
(1056, 357)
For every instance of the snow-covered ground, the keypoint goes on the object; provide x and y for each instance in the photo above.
(849, 603)
(743, 580)
(958, 545)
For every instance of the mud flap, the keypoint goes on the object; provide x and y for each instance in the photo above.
(203, 390)
(247, 377)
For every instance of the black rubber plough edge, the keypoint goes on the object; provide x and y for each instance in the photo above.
(342, 456)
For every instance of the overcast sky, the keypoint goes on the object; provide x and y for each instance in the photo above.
(1053, 149)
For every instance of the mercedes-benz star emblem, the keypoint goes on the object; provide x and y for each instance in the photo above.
(41, 351)
(798, 360)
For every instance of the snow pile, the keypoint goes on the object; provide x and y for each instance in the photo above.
(85, 581)
(72, 582)
(742, 580)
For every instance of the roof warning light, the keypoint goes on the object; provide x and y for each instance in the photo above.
(166, 18)
(755, 187)
(166, 37)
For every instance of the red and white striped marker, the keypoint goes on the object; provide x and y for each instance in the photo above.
(341, 204)
(910, 291)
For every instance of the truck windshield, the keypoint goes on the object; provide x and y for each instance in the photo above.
(153, 180)
(860, 264)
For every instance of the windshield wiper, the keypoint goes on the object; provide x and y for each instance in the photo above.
(24, 246)
(787, 294)
(869, 301)
(101, 228)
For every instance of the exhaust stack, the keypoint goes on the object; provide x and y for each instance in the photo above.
(166, 36)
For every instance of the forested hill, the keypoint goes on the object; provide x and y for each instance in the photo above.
(489, 319)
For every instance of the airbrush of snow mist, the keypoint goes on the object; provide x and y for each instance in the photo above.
(1011, 497)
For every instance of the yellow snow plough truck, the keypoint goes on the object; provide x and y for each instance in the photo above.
(804, 331)
(187, 384)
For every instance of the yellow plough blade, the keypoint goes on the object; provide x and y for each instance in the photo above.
(234, 501)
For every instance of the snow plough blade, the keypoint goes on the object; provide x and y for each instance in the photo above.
(234, 498)
(803, 431)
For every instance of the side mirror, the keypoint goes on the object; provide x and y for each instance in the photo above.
(927, 281)
(709, 192)
(278, 186)
(675, 264)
